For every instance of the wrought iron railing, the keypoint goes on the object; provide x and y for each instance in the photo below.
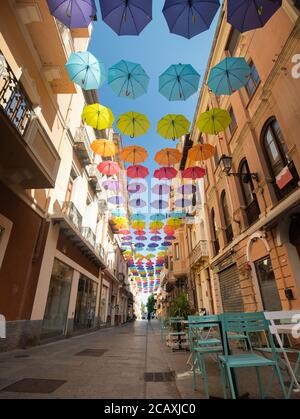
(82, 145)
(252, 212)
(73, 214)
(88, 234)
(13, 99)
(200, 251)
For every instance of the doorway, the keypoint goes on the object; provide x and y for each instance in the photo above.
(267, 284)
(86, 303)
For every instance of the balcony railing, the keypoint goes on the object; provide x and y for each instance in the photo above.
(73, 214)
(88, 234)
(291, 186)
(82, 146)
(66, 37)
(94, 177)
(252, 212)
(13, 99)
(101, 251)
(199, 252)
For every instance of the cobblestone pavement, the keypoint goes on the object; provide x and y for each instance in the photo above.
(113, 368)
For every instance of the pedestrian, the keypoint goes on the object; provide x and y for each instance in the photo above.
(149, 317)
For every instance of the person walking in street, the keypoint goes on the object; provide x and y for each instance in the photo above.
(149, 317)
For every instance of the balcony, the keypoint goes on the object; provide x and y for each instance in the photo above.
(82, 146)
(252, 212)
(94, 178)
(27, 156)
(199, 253)
(88, 234)
(69, 209)
(290, 186)
(101, 251)
(229, 234)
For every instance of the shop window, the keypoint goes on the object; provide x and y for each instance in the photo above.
(86, 303)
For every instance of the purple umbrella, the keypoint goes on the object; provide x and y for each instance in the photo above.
(126, 244)
(127, 238)
(111, 185)
(153, 245)
(166, 244)
(73, 13)
(115, 200)
(187, 189)
(142, 238)
(246, 15)
(127, 17)
(155, 239)
(136, 188)
(137, 203)
(160, 204)
(189, 18)
(182, 203)
(161, 189)
(170, 238)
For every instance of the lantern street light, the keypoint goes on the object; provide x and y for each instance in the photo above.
(225, 163)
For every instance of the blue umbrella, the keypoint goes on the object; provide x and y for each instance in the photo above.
(157, 217)
(229, 75)
(246, 15)
(128, 79)
(177, 214)
(138, 217)
(73, 13)
(126, 17)
(189, 18)
(179, 82)
(85, 70)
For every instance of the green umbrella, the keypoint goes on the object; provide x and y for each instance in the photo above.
(214, 121)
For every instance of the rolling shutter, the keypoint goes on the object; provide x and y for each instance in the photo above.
(230, 290)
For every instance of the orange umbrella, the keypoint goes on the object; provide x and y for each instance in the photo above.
(104, 148)
(168, 157)
(201, 152)
(169, 229)
(134, 154)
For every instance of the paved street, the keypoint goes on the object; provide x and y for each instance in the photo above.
(130, 352)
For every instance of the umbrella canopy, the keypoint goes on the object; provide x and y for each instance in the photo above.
(179, 82)
(177, 214)
(190, 18)
(182, 203)
(142, 238)
(168, 157)
(128, 17)
(156, 225)
(160, 204)
(201, 152)
(138, 217)
(133, 124)
(174, 222)
(193, 173)
(139, 245)
(136, 172)
(173, 126)
(229, 75)
(170, 238)
(127, 238)
(115, 200)
(85, 70)
(152, 245)
(186, 190)
(165, 173)
(167, 244)
(109, 168)
(111, 185)
(137, 203)
(214, 121)
(161, 189)
(74, 14)
(157, 217)
(136, 188)
(155, 239)
(104, 148)
(134, 154)
(128, 79)
(154, 231)
(139, 224)
(98, 116)
(139, 232)
(246, 15)
(124, 231)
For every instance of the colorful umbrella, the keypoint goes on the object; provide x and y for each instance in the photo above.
(193, 173)
(139, 232)
(109, 168)
(136, 188)
(170, 238)
(174, 222)
(115, 200)
(104, 148)
(154, 231)
(137, 203)
(173, 126)
(161, 189)
(152, 245)
(128, 79)
(168, 157)
(111, 185)
(165, 173)
(190, 18)
(127, 17)
(186, 190)
(177, 214)
(136, 172)
(157, 217)
(142, 238)
(127, 238)
(124, 231)
(85, 70)
(74, 14)
(134, 154)
(160, 204)
(166, 244)
(182, 203)
(155, 239)
(156, 225)
(139, 224)
(98, 116)
(139, 245)
(214, 121)
(133, 124)
(179, 82)
(138, 217)
(201, 152)
(246, 15)
(229, 75)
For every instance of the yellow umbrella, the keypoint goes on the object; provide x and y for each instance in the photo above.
(156, 225)
(138, 224)
(174, 222)
(134, 154)
(214, 121)
(98, 116)
(173, 126)
(104, 148)
(133, 124)
(162, 253)
(168, 157)
(120, 220)
(201, 152)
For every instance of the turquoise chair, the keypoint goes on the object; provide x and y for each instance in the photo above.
(175, 329)
(247, 323)
(201, 345)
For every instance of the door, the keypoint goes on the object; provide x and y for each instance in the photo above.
(231, 293)
(267, 283)
(86, 303)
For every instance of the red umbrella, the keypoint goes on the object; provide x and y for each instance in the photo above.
(125, 232)
(140, 232)
(165, 173)
(155, 232)
(169, 230)
(137, 171)
(109, 168)
(194, 173)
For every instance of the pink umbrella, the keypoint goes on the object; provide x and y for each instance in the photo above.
(136, 188)
(137, 171)
(194, 173)
(187, 189)
(182, 203)
(161, 189)
(124, 232)
(111, 185)
(160, 204)
(115, 200)
(140, 232)
(165, 173)
(137, 203)
(109, 168)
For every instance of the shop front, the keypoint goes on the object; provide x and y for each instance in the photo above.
(85, 312)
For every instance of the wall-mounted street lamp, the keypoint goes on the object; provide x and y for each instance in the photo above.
(225, 163)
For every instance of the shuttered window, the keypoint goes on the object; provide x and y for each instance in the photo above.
(230, 290)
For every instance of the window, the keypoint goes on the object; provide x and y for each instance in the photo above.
(171, 263)
(214, 232)
(216, 157)
(73, 176)
(176, 251)
(233, 125)
(226, 215)
(232, 42)
(249, 196)
(253, 80)
(275, 147)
